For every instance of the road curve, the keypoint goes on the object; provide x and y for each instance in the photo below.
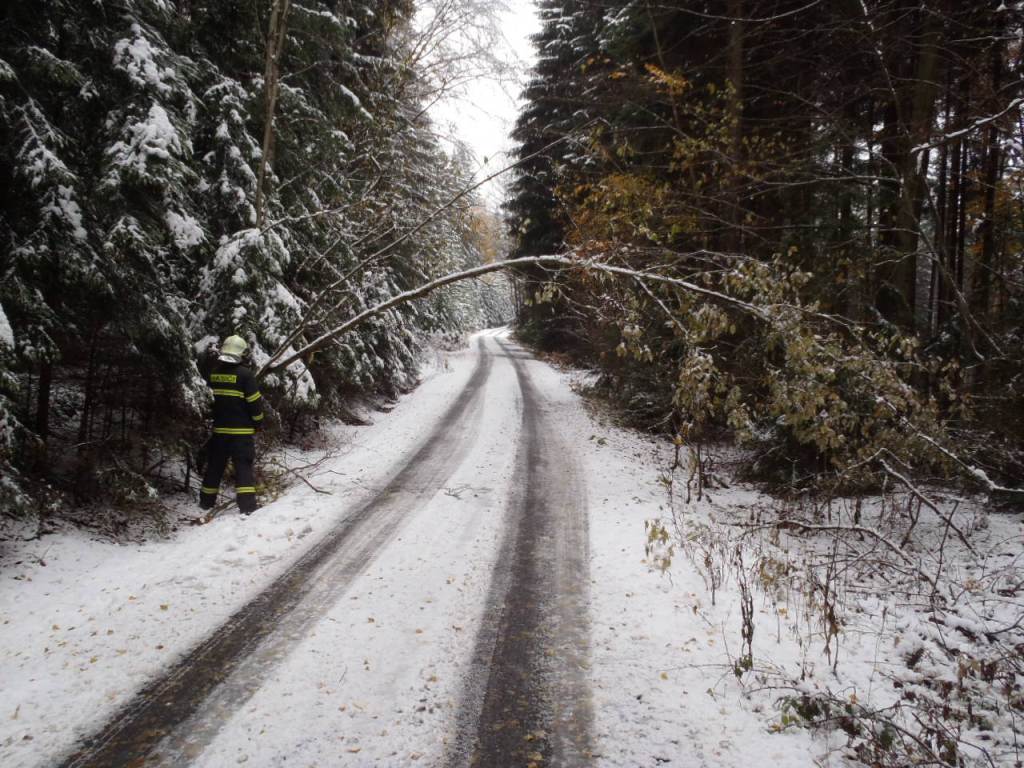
(173, 717)
(528, 703)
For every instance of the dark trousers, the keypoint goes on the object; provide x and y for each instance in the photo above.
(241, 450)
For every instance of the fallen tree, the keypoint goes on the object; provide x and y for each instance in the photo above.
(825, 384)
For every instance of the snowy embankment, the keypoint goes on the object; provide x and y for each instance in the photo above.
(377, 680)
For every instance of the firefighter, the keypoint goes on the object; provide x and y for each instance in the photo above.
(237, 412)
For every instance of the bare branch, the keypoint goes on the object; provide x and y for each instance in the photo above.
(855, 529)
(948, 519)
(979, 123)
(543, 261)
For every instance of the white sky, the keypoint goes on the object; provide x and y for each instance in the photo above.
(482, 112)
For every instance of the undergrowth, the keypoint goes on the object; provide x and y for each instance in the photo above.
(893, 622)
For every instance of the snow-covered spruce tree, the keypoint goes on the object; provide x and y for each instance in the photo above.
(152, 220)
(261, 281)
(75, 297)
(378, 174)
(552, 128)
(47, 262)
(131, 149)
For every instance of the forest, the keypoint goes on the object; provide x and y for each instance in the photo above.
(166, 181)
(814, 215)
(842, 178)
(759, 278)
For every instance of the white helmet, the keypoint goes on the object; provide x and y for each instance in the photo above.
(232, 349)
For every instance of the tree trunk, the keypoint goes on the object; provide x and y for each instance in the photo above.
(733, 240)
(870, 204)
(915, 130)
(986, 262)
(941, 218)
(90, 393)
(886, 278)
(844, 234)
(949, 280)
(43, 400)
(272, 70)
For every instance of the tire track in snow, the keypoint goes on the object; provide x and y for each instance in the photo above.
(172, 719)
(529, 702)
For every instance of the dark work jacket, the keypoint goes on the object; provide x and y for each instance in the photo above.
(237, 403)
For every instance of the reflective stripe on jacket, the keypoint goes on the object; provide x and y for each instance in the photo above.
(237, 402)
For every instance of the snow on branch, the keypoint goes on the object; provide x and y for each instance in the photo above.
(287, 356)
(276, 363)
(979, 123)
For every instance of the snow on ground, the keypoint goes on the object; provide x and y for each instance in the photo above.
(377, 680)
(85, 622)
(657, 663)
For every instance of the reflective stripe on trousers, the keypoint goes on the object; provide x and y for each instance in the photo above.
(240, 450)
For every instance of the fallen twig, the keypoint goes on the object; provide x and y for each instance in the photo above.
(947, 519)
(816, 528)
(295, 473)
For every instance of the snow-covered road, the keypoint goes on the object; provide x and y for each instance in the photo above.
(472, 592)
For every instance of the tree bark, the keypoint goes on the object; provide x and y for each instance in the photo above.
(90, 392)
(915, 129)
(941, 218)
(733, 240)
(272, 70)
(948, 280)
(986, 262)
(43, 400)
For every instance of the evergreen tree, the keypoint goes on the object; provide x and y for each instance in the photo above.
(130, 156)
